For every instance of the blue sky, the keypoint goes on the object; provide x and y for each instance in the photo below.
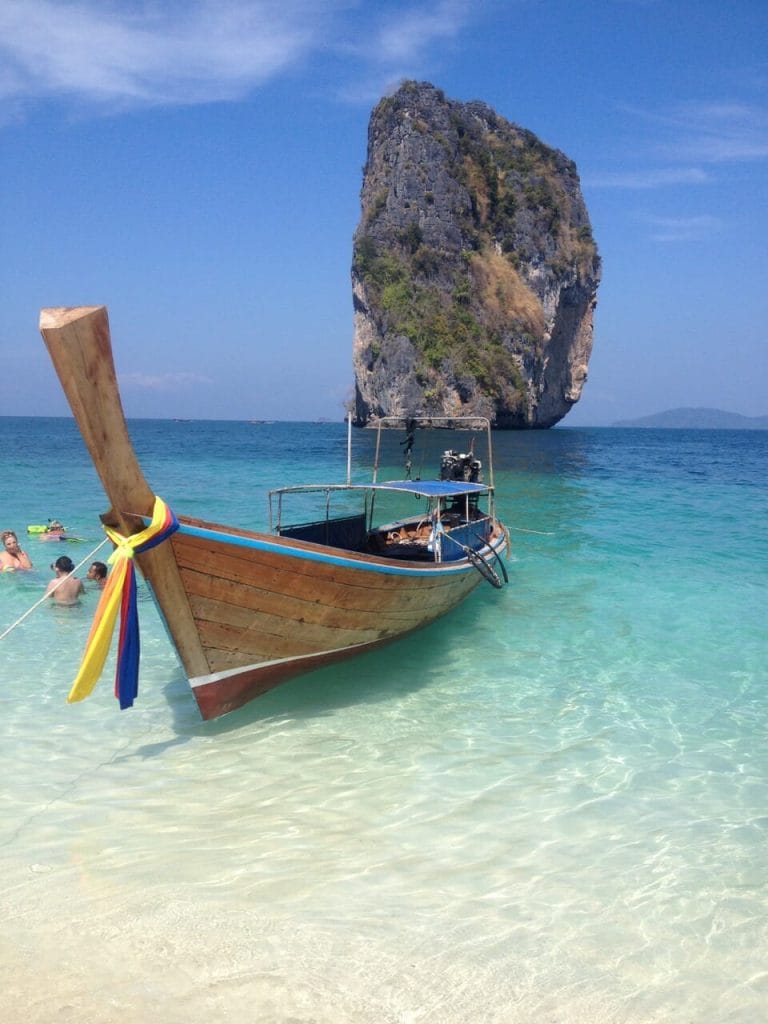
(196, 166)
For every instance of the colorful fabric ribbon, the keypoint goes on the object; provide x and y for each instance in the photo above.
(120, 593)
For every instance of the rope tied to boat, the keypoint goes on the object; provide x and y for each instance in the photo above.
(119, 594)
(485, 569)
(481, 563)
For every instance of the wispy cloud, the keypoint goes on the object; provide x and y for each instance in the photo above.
(176, 52)
(688, 144)
(120, 54)
(402, 37)
(163, 381)
(690, 139)
(648, 179)
(400, 42)
(683, 229)
(711, 133)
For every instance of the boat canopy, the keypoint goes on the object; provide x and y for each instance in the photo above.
(434, 488)
(421, 488)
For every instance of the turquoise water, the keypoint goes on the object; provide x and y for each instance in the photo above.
(551, 806)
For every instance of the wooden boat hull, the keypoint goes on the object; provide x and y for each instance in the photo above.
(267, 609)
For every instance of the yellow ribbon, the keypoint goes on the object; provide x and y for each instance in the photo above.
(103, 626)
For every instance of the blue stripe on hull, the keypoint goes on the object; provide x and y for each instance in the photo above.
(366, 564)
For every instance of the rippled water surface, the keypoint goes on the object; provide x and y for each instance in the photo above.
(550, 806)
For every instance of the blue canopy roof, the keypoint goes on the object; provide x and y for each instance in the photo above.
(422, 488)
(433, 488)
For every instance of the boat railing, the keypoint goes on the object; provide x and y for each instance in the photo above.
(347, 532)
(275, 499)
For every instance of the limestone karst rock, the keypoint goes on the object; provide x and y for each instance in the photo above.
(474, 271)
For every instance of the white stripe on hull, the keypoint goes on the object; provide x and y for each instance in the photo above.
(217, 677)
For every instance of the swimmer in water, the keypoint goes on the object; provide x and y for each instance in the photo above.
(11, 555)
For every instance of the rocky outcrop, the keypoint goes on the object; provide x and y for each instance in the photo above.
(474, 271)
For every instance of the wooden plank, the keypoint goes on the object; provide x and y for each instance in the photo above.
(266, 634)
(344, 588)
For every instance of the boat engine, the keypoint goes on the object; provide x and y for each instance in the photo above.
(460, 466)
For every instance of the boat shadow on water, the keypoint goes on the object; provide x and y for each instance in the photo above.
(368, 679)
(373, 678)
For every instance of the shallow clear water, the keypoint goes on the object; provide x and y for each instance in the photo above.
(550, 806)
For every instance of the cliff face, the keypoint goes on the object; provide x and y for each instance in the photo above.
(474, 269)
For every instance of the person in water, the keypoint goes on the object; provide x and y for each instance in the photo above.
(98, 573)
(55, 530)
(11, 555)
(69, 590)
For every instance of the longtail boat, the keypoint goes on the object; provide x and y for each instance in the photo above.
(247, 610)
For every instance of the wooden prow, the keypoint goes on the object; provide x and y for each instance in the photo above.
(79, 346)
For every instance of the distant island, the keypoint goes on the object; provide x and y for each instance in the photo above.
(698, 419)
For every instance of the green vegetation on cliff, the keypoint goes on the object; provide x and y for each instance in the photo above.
(440, 323)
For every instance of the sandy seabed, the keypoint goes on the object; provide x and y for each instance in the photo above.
(104, 959)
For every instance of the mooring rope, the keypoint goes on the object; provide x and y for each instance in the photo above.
(539, 533)
(45, 596)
